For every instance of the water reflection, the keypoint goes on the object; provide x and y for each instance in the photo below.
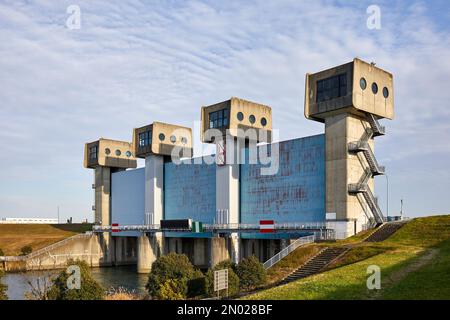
(124, 276)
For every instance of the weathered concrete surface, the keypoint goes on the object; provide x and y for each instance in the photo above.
(149, 248)
(95, 250)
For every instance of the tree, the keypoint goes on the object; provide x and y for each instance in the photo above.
(89, 288)
(26, 250)
(3, 288)
(233, 279)
(175, 267)
(172, 289)
(251, 273)
(1, 252)
(39, 286)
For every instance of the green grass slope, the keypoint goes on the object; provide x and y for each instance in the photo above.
(414, 265)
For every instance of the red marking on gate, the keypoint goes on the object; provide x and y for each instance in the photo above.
(115, 227)
(266, 226)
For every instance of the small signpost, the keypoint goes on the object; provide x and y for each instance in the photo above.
(115, 227)
(266, 226)
(220, 281)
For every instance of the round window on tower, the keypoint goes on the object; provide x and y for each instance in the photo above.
(263, 122)
(173, 139)
(252, 119)
(128, 154)
(107, 151)
(385, 92)
(240, 116)
(183, 140)
(362, 83)
(118, 153)
(162, 136)
(374, 88)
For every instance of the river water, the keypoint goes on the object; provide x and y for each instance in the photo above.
(125, 277)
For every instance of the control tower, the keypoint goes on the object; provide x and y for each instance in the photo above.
(350, 99)
(106, 156)
(231, 125)
(154, 143)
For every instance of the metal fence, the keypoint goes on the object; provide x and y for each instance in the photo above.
(283, 253)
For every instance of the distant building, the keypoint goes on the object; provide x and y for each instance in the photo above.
(28, 221)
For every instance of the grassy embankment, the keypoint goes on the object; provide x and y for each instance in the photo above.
(15, 236)
(414, 264)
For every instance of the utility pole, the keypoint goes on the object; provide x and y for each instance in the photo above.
(387, 196)
(401, 208)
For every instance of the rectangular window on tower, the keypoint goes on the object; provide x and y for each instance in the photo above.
(332, 87)
(145, 138)
(93, 153)
(219, 118)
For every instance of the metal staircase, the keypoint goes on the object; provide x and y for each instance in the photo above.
(362, 189)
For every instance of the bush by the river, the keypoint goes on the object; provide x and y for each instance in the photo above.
(3, 288)
(174, 277)
(89, 288)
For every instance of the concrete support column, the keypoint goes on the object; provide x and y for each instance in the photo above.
(227, 197)
(149, 248)
(154, 188)
(234, 248)
(218, 250)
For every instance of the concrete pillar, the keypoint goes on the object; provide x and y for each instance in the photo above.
(227, 196)
(149, 248)
(154, 188)
(218, 250)
(102, 186)
(343, 168)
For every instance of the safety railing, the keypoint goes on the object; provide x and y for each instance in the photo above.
(286, 251)
(45, 249)
(55, 245)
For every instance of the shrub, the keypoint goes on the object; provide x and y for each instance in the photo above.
(251, 273)
(233, 279)
(1, 252)
(3, 288)
(121, 293)
(26, 250)
(196, 285)
(89, 289)
(177, 267)
(173, 289)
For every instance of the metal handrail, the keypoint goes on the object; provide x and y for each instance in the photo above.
(55, 245)
(286, 251)
(379, 215)
(43, 250)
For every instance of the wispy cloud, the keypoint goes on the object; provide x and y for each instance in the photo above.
(133, 62)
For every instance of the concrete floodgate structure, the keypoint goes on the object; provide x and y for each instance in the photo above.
(319, 185)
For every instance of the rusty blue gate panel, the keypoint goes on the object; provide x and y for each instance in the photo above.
(190, 192)
(296, 193)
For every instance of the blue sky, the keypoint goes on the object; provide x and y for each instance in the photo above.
(134, 62)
